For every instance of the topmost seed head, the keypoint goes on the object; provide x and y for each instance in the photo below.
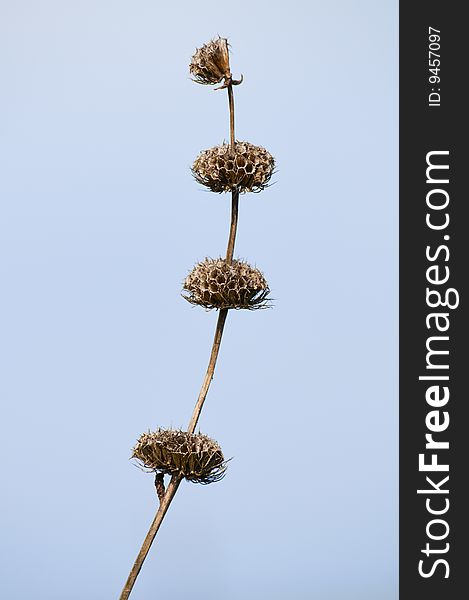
(211, 63)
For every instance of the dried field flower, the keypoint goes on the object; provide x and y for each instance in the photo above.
(211, 63)
(214, 283)
(245, 168)
(223, 284)
(196, 457)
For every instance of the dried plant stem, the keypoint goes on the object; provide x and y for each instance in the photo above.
(210, 370)
(234, 193)
(164, 505)
(167, 496)
(224, 311)
(234, 226)
(232, 122)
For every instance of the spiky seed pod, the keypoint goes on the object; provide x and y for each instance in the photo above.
(214, 283)
(246, 168)
(211, 63)
(196, 457)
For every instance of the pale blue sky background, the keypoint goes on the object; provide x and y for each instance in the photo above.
(100, 222)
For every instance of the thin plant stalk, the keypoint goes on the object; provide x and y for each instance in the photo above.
(235, 192)
(232, 114)
(233, 227)
(147, 542)
(175, 480)
(229, 257)
(210, 370)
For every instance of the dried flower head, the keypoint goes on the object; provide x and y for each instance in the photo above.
(246, 168)
(173, 452)
(211, 63)
(216, 284)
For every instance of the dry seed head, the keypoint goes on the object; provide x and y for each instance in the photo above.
(246, 168)
(173, 452)
(216, 284)
(211, 63)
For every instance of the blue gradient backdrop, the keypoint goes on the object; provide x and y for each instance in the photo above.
(101, 221)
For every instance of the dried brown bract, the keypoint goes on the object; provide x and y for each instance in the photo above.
(196, 457)
(216, 284)
(247, 168)
(211, 63)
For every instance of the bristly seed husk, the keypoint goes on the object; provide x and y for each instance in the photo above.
(246, 168)
(214, 283)
(211, 63)
(196, 457)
